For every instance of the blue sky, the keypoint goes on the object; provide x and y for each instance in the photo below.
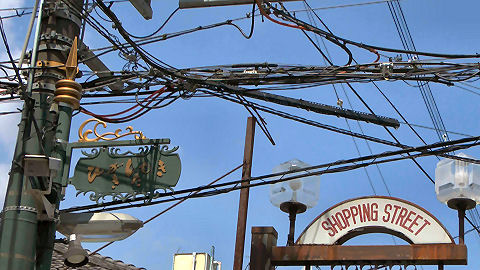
(210, 132)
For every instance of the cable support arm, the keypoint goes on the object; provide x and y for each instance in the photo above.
(313, 106)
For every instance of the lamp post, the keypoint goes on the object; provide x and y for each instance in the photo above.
(457, 183)
(296, 195)
(93, 227)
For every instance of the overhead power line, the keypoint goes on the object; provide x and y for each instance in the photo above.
(260, 181)
(408, 44)
(359, 162)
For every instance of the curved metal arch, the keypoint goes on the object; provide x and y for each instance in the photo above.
(435, 232)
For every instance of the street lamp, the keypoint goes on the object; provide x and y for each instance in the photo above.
(75, 256)
(457, 183)
(296, 195)
(93, 227)
(98, 227)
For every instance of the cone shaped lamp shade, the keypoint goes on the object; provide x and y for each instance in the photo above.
(75, 256)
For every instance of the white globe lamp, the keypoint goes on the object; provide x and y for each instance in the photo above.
(457, 183)
(296, 195)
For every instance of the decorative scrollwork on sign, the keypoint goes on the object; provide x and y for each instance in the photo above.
(107, 136)
(165, 151)
(100, 197)
(115, 152)
(94, 152)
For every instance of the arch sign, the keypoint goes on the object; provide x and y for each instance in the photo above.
(375, 214)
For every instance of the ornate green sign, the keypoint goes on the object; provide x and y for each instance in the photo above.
(106, 171)
(111, 168)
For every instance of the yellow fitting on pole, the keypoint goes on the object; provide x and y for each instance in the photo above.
(68, 90)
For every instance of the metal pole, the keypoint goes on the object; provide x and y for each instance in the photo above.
(25, 242)
(36, 41)
(60, 120)
(29, 32)
(47, 228)
(244, 192)
(19, 217)
(292, 215)
(18, 229)
(461, 226)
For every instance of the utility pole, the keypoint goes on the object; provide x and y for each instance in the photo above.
(27, 230)
(244, 193)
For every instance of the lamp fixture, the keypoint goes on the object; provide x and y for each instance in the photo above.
(296, 195)
(457, 183)
(75, 256)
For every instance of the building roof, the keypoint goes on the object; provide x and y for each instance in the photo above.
(96, 261)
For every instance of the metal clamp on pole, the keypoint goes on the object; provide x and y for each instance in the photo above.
(20, 208)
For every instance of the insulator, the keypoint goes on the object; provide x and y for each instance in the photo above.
(68, 91)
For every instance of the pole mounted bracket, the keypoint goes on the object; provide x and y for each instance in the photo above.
(71, 67)
(41, 170)
(52, 64)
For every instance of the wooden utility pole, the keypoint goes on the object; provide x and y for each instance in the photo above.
(244, 192)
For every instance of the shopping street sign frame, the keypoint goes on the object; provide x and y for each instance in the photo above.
(321, 242)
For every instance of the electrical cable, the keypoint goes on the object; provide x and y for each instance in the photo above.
(309, 27)
(371, 111)
(9, 53)
(325, 59)
(424, 149)
(311, 122)
(252, 25)
(143, 55)
(159, 28)
(131, 116)
(342, 131)
(260, 180)
(84, 24)
(173, 205)
(468, 90)
(256, 115)
(141, 52)
(408, 44)
(151, 96)
(100, 16)
(10, 112)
